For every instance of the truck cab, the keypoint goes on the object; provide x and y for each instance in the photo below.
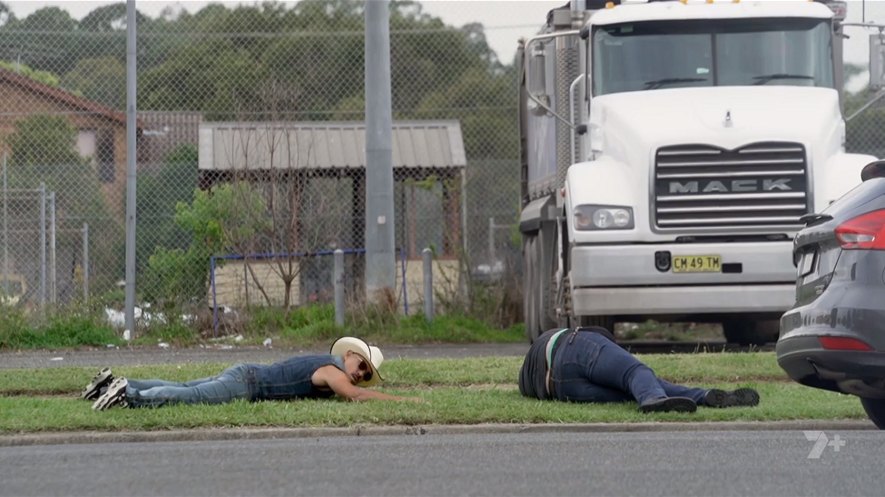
(669, 150)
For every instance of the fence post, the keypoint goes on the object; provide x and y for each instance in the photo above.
(402, 253)
(427, 259)
(85, 262)
(338, 283)
(491, 241)
(5, 231)
(214, 297)
(131, 149)
(42, 245)
(53, 285)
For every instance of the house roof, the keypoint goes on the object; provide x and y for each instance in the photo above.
(61, 96)
(255, 146)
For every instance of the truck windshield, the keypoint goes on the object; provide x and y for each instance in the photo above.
(735, 52)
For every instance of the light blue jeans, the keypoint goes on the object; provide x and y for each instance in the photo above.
(235, 382)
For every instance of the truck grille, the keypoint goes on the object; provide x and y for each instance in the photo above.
(761, 185)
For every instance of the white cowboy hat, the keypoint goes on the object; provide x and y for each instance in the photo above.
(370, 353)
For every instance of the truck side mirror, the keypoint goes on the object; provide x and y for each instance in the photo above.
(877, 61)
(537, 78)
(873, 170)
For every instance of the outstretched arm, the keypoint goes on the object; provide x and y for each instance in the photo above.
(334, 378)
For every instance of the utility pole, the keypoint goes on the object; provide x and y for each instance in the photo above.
(380, 240)
(129, 311)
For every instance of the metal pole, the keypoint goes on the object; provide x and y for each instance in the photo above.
(5, 230)
(402, 259)
(214, 296)
(130, 166)
(427, 259)
(491, 241)
(380, 259)
(85, 262)
(338, 282)
(42, 245)
(53, 287)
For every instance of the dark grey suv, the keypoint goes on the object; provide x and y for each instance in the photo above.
(834, 336)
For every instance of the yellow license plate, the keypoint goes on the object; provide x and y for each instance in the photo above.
(697, 264)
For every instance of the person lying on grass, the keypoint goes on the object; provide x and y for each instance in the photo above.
(350, 367)
(586, 365)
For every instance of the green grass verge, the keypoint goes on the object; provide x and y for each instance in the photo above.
(456, 391)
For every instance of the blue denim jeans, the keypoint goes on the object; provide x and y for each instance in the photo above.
(589, 367)
(235, 382)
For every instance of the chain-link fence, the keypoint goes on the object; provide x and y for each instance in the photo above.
(262, 105)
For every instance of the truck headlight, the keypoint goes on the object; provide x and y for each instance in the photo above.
(603, 217)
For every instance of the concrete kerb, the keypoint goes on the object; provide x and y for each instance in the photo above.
(215, 434)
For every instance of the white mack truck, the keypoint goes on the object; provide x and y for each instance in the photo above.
(669, 150)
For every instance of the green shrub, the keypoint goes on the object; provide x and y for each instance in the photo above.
(57, 331)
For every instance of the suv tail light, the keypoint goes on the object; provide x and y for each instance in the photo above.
(866, 231)
(842, 343)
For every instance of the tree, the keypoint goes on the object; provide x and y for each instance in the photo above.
(313, 53)
(101, 80)
(159, 192)
(42, 40)
(6, 15)
(45, 77)
(110, 18)
(42, 151)
(863, 132)
(225, 217)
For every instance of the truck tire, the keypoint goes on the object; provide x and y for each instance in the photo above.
(546, 252)
(875, 409)
(531, 289)
(749, 332)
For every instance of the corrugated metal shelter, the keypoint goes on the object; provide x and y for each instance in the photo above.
(423, 151)
(237, 146)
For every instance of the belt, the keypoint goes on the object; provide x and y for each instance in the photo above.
(549, 354)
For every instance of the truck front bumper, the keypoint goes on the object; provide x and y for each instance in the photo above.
(623, 279)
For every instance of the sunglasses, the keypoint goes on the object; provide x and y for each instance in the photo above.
(367, 371)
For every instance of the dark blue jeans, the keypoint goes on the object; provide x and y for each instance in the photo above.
(589, 367)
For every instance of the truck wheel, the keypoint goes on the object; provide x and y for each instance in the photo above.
(546, 252)
(875, 409)
(748, 332)
(531, 289)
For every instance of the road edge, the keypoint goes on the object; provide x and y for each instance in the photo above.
(253, 433)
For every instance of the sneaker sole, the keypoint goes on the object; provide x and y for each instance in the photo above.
(103, 378)
(115, 396)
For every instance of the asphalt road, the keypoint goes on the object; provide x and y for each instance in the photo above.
(158, 355)
(714, 463)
